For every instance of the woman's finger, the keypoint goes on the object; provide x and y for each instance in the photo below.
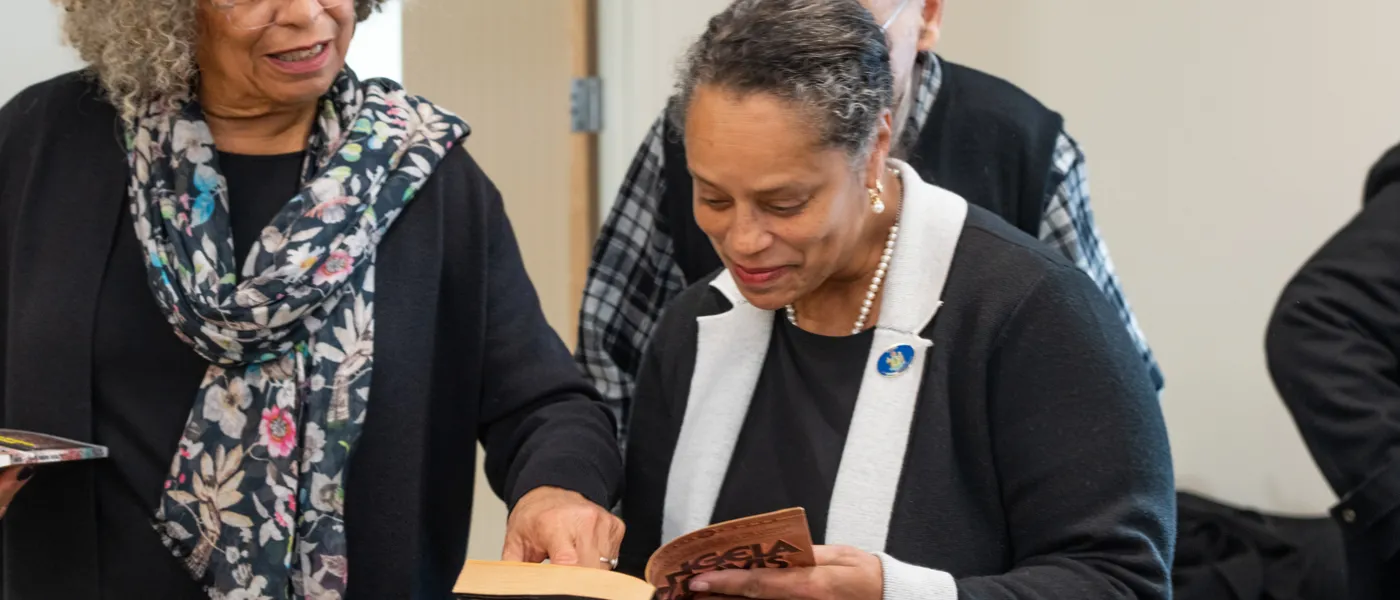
(772, 584)
(519, 550)
(562, 546)
(588, 550)
(11, 480)
(514, 550)
(609, 536)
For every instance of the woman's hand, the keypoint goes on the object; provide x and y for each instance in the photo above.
(11, 480)
(842, 572)
(563, 526)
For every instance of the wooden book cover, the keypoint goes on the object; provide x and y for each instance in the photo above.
(769, 541)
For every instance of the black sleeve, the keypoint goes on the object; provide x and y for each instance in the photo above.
(1081, 449)
(8, 115)
(1332, 345)
(14, 135)
(543, 425)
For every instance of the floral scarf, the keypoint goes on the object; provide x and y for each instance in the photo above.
(254, 505)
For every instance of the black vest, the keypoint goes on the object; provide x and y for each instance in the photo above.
(985, 140)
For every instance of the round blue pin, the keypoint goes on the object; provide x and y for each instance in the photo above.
(896, 360)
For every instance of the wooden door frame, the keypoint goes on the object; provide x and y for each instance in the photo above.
(467, 55)
(583, 202)
(479, 85)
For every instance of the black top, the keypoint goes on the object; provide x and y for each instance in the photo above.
(985, 139)
(144, 383)
(1334, 355)
(796, 427)
(1037, 464)
(463, 355)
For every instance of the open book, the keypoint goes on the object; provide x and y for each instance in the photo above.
(29, 448)
(773, 540)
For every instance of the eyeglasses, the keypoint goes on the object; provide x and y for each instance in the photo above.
(257, 14)
(894, 16)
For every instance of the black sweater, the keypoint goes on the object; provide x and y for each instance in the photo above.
(463, 353)
(1037, 464)
(1334, 354)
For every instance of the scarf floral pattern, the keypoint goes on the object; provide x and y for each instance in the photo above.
(254, 505)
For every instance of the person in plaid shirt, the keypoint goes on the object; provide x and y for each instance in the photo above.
(964, 130)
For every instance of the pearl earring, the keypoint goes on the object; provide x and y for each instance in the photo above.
(877, 204)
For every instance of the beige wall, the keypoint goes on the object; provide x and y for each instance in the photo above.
(1226, 139)
(639, 42)
(471, 57)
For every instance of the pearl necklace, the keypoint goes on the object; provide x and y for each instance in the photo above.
(875, 281)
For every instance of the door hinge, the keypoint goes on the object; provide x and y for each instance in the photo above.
(586, 105)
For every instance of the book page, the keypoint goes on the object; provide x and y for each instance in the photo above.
(769, 541)
(499, 580)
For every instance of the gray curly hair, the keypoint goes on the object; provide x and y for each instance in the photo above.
(829, 56)
(142, 50)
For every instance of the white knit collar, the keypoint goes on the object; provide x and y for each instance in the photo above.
(730, 352)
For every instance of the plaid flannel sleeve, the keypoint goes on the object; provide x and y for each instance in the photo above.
(632, 276)
(1069, 226)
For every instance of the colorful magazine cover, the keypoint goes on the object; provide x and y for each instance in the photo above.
(28, 448)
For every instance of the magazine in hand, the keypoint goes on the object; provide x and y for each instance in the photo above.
(774, 540)
(30, 448)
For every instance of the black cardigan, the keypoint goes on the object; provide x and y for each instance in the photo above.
(1037, 464)
(1334, 354)
(463, 354)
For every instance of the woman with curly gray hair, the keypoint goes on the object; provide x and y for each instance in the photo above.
(957, 408)
(290, 304)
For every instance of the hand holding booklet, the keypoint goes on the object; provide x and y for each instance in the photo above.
(29, 448)
(774, 540)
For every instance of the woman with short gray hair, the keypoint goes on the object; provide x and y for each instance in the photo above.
(956, 407)
(289, 303)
